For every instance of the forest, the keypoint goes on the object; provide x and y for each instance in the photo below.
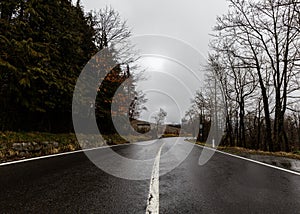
(44, 47)
(252, 70)
(254, 59)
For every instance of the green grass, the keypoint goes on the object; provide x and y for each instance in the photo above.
(296, 152)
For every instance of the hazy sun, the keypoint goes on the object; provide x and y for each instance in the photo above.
(153, 63)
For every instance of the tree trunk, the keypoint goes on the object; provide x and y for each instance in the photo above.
(268, 136)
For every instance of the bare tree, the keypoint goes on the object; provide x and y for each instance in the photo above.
(191, 116)
(117, 96)
(137, 105)
(159, 118)
(113, 32)
(237, 81)
(265, 38)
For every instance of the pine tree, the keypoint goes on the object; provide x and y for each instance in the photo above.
(45, 45)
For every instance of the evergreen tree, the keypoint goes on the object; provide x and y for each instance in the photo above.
(44, 46)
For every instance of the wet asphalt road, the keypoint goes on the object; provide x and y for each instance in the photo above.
(73, 184)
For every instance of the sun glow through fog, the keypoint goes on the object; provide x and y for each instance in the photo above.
(153, 63)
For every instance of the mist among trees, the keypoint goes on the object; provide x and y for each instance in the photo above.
(255, 59)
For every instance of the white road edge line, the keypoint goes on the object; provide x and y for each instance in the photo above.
(62, 154)
(247, 159)
(67, 153)
(153, 197)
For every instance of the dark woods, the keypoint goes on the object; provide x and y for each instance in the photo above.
(44, 47)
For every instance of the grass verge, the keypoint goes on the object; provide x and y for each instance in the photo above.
(246, 152)
(21, 145)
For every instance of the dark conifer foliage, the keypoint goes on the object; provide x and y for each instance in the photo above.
(44, 46)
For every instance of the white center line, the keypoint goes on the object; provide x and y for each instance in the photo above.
(153, 198)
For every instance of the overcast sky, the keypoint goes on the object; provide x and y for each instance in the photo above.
(173, 56)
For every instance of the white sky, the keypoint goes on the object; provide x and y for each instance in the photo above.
(190, 21)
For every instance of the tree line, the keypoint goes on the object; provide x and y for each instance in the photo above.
(44, 47)
(254, 56)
